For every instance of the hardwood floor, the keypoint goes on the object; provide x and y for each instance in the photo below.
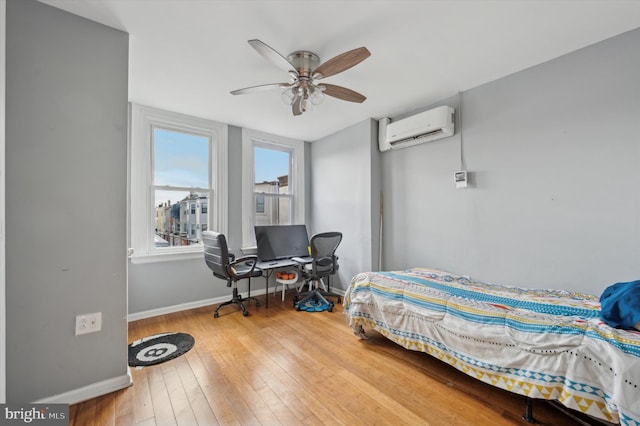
(279, 366)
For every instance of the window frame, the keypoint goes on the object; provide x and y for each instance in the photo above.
(144, 120)
(251, 139)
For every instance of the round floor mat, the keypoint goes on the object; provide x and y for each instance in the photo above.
(159, 348)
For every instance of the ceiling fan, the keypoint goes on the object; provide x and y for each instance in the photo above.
(305, 70)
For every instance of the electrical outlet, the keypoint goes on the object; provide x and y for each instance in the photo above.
(88, 323)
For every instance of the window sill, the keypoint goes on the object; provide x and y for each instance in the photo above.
(249, 250)
(166, 257)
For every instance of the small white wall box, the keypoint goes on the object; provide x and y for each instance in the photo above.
(461, 179)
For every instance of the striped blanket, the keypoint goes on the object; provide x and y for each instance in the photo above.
(547, 344)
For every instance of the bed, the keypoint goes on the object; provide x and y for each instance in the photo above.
(544, 344)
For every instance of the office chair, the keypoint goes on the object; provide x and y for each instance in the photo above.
(324, 264)
(225, 266)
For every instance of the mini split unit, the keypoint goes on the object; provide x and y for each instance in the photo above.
(423, 127)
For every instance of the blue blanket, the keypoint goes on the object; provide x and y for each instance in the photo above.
(620, 305)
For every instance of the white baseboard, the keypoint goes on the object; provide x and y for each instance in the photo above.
(197, 304)
(93, 390)
(186, 306)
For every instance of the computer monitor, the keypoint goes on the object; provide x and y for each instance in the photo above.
(281, 242)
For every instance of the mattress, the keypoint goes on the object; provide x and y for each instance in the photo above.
(545, 344)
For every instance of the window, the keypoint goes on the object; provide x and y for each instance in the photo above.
(178, 172)
(259, 203)
(271, 170)
(273, 182)
(181, 172)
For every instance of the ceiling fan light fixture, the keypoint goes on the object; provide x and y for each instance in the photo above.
(317, 98)
(288, 96)
(307, 96)
(305, 102)
(317, 95)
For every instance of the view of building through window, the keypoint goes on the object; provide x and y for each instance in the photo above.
(181, 186)
(181, 223)
(272, 192)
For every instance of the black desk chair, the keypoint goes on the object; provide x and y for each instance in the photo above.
(324, 264)
(225, 266)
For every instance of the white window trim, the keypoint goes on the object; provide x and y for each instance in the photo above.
(251, 138)
(141, 202)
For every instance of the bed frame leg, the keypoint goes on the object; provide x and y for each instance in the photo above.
(528, 411)
(359, 331)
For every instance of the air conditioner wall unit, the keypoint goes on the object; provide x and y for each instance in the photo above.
(423, 127)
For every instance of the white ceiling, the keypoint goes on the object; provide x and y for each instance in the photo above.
(187, 55)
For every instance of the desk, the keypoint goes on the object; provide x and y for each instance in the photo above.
(269, 266)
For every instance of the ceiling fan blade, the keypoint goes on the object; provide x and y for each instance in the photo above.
(343, 93)
(260, 88)
(271, 55)
(295, 105)
(341, 62)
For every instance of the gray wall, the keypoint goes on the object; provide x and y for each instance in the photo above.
(165, 284)
(345, 193)
(553, 151)
(66, 123)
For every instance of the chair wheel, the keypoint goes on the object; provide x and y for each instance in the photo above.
(330, 309)
(339, 299)
(216, 315)
(245, 313)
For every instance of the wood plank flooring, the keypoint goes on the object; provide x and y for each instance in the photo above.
(279, 366)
